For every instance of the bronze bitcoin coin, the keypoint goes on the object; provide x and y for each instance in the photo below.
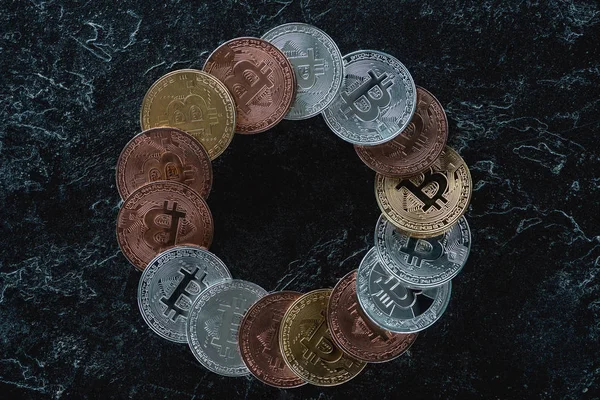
(429, 203)
(161, 154)
(417, 147)
(259, 340)
(160, 215)
(195, 102)
(307, 346)
(354, 332)
(260, 78)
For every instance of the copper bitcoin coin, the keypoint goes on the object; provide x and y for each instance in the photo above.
(417, 147)
(162, 154)
(160, 215)
(260, 78)
(354, 332)
(259, 340)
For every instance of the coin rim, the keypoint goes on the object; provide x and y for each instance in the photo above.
(403, 127)
(146, 278)
(335, 89)
(228, 135)
(193, 342)
(244, 337)
(386, 260)
(294, 84)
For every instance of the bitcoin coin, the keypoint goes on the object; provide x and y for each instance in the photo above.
(394, 306)
(307, 346)
(260, 79)
(213, 324)
(170, 284)
(376, 102)
(161, 154)
(259, 340)
(160, 215)
(423, 262)
(417, 147)
(355, 333)
(195, 102)
(427, 204)
(317, 63)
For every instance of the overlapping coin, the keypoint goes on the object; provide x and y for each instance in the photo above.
(170, 284)
(213, 324)
(317, 65)
(417, 147)
(429, 203)
(260, 79)
(195, 102)
(423, 262)
(376, 102)
(356, 334)
(307, 346)
(259, 340)
(164, 154)
(394, 306)
(160, 215)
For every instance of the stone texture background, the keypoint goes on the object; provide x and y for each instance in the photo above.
(294, 207)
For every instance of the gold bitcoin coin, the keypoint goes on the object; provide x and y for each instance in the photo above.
(195, 102)
(307, 346)
(429, 203)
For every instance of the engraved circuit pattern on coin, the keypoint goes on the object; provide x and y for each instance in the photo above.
(423, 262)
(195, 102)
(393, 306)
(260, 79)
(376, 102)
(161, 154)
(417, 147)
(429, 203)
(307, 346)
(170, 284)
(355, 333)
(317, 65)
(160, 215)
(259, 340)
(213, 324)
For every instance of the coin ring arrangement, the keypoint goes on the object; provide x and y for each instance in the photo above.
(165, 228)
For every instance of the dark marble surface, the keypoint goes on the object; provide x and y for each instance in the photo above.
(294, 207)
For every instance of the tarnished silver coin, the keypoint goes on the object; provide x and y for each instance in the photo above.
(317, 64)
(393, 306)
(213, 323)
(170, 284)
(423, 262)
(376, 102)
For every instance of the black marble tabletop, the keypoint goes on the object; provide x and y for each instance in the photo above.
(294, 207)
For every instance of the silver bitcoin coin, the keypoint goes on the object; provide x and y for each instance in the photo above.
(170, 284)
(212, 327)
(376, 102)
(423, 263)
(394, 306)
(317, 64)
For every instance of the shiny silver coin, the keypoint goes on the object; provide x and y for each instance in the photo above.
(212, 327)
(170, 284)
(376, 102)
(393, 306)
(423, 263)
(317, 64)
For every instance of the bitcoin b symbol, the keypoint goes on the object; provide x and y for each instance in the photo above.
(162, 231)
(192, 114)
(391, 293)
(365, 93)
(248, 81)
(372, 332)
(307, 68)
(226, 341)
(172, 301)
(429, 178)
(319, 346)
(418, 250)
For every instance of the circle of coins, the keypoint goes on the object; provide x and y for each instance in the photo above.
(286, 339)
